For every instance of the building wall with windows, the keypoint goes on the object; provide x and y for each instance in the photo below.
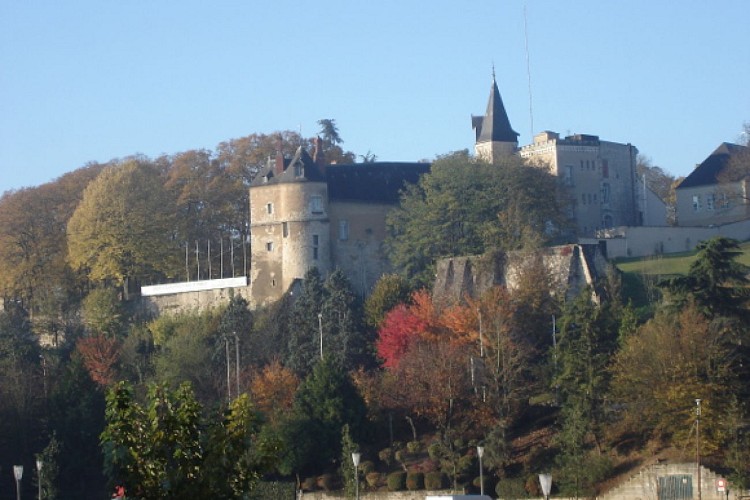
(599, 175)
(306, 214)
(711, 195)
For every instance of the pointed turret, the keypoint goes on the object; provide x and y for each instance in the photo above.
(494, 135)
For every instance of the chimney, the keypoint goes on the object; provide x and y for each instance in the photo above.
(318, 155)
(279, 167)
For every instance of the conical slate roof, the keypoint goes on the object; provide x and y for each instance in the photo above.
(495, 125)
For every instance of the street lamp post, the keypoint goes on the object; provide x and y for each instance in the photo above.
(355, 461)
(39, 476)
(18, 474)
(545, 481)
(480, 452)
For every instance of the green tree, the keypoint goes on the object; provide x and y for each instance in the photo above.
(325, 401)
(587, 340)
(123, 227)
(168, 450)
(304, 326)
(342, 327)
(716, 281)
(465, 207)
(102, 312)
(389, 291)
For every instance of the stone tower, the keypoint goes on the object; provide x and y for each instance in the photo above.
(289, 225)
(495, 137)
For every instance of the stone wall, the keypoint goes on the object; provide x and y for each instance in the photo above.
(644, 485)
(189, 301)
(571, 267)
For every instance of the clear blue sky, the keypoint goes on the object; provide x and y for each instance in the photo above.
(92, 80)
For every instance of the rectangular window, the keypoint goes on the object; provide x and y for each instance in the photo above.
(269, 208)
(605, 169)
(269, 246)
(285, 229)
(710, 201)
(568, 175)
(315, 242)
(343, 229)
(581, 164)
(316, 204)
(583, 198)
(696, 203)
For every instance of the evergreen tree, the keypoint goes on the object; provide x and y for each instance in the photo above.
(343, 333)
(304, 325)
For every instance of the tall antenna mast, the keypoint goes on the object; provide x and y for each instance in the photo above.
(528, 67)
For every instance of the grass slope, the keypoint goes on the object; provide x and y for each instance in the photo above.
(670, 264)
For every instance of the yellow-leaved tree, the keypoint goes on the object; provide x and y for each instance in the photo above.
(123, 228)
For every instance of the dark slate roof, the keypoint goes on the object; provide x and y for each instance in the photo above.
(379, 182)
(495, 125)
(706, 173)
(310, 171)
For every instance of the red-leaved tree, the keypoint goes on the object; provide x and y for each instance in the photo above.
(100, 355)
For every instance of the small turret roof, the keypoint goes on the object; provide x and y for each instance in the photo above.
(494, 126)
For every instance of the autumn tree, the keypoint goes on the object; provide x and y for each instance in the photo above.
(33, 246)
(659, 371)
(123, 229)
(404, 324)
(272, 388)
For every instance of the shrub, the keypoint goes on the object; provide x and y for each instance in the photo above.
(413, 446)
(511, 488)
(386, 456)
(309, 483)
(400, 456)
(373, 479)
(326, 482)
(396, 481)
(433, 480)
(414, 481)
(367, 466)
(434, 451)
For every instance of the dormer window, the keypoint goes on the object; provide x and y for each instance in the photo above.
(298, 169)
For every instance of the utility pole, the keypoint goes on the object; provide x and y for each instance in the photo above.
(320, 330)
(237, 361)
(698, 442)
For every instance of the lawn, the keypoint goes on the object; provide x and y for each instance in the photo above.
(676, 263)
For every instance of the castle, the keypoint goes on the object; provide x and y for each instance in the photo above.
(306, 213)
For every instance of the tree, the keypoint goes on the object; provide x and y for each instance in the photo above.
(102, 312)
(272, 389)
(122, 229)
(466, 207)
(332, 143)
(405, 324)
(304, 326)
(342, 327)
(389, 291)
(33, 245)
(325, 402)
(661, 182)
(716, 281)
(191, 349)
(671, 360)
(587, 340)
